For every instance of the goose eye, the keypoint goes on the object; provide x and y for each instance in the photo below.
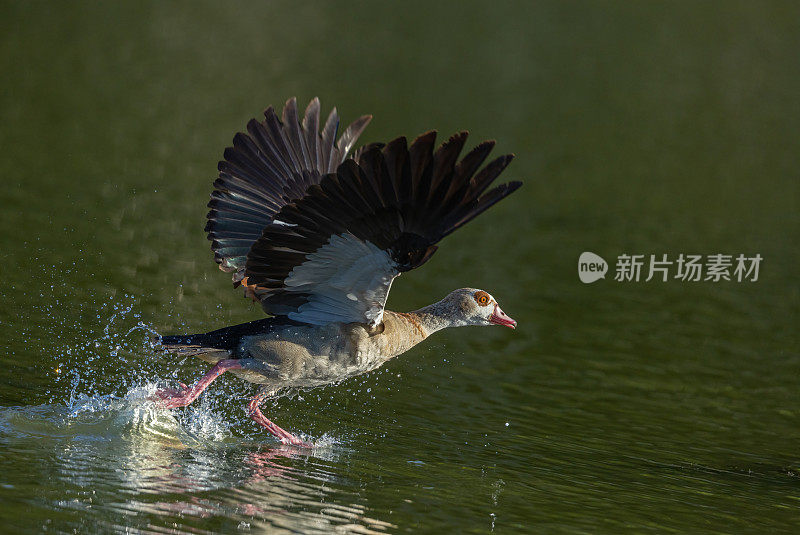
(482, 298)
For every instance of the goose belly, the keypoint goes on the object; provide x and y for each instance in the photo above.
(306, 356)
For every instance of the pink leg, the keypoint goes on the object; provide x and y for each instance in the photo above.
(172, 398)
(284, 436)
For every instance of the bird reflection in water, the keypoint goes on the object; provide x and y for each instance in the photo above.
(124, 464)
(277, 487)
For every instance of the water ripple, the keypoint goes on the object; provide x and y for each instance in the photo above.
(125, 457)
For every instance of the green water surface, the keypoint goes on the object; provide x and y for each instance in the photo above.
(638, 128)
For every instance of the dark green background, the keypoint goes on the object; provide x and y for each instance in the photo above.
(642, 127)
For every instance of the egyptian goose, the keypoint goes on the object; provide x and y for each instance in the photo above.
(317, 237)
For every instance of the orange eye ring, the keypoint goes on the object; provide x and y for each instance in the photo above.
(482, 298)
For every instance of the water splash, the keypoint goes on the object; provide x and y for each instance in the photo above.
(105, 366)
(109, 417)
(96, 351)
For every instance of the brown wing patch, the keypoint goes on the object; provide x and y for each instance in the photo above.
(249, 289)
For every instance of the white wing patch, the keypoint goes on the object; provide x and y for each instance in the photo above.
(347, 279)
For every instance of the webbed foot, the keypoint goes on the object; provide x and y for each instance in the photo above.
(281, 434)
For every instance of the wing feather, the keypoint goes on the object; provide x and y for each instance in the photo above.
(311, 131)
(331, 256)
(265, 169)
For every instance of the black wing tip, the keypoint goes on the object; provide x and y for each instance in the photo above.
(461, 134)
(495, 167)
(498, 193)
(425, 137)
(269, 113)
(486, 145)
(506, 158)
(399, 141)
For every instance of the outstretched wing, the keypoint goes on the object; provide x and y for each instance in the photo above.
(331, 256)
(271, 165)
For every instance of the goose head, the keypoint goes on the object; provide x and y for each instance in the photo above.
(470, 306)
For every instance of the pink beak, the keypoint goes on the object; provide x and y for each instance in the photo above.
(501, 318)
